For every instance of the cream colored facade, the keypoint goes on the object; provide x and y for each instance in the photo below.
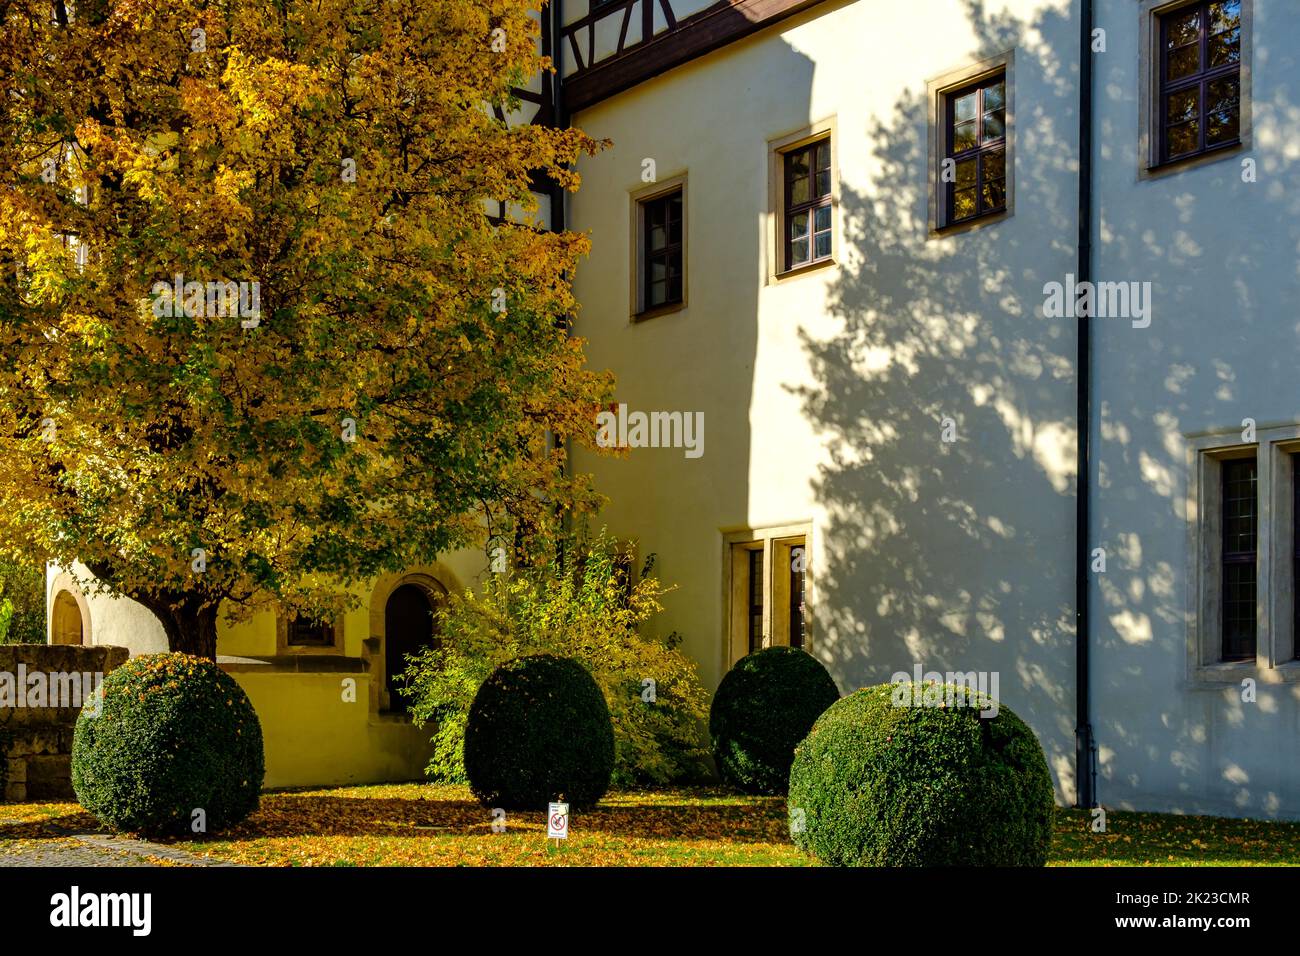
(911, 409)
(325, 714)
(824, 394)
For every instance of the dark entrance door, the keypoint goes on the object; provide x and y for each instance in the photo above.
(408, 626)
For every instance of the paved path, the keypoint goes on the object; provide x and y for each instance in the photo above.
(96, 849)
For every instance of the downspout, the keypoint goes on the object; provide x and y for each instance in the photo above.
(1085, 749)
(560, 196)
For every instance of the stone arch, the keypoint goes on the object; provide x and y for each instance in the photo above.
(435, 581)
(69, 612)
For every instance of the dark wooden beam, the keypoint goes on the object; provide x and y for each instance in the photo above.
(701, 33)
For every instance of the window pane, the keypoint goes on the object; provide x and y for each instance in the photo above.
(995, 194)
(797, 626)
(1222, 110)
(1183, 29)
(965, 173)
(1182, 106)
(1183, 138)
(1225, 48)
(822, 246)
(798, 225)
(822, 219)
(657, 294)
(995, 96)
(1184, 62)
(963, 136)
(658, 237)
(963, 204)
(755, 600)
(995, 165)
(674, 288)
(824, 155)
(964, 108)
(1225, 15)
(994, 125)
(1239, 511)
(1221, 128)
(798, 252)
(797, 175)
(824, 182)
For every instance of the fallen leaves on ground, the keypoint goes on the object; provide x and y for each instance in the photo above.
(437, 825)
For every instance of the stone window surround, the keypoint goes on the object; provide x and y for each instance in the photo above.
(937, 91)
(773, 538)
(774, 227)
(1149, 164)
(283, 647)
(1275, 655)
(640, 196)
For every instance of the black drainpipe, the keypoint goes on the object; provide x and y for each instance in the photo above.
(1085, 748)
(559, 196)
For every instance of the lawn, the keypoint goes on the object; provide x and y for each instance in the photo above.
(423, 825)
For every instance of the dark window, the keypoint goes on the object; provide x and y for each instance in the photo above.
(305, 632)
(1240, 516)
(798, 575)
(661, 280)
(755, 600)
(1200, 78)
(807, 201)
(975, 170)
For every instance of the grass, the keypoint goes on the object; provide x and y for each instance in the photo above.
(424, 825)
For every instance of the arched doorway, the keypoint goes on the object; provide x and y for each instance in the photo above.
(65, 621)
(408, 627)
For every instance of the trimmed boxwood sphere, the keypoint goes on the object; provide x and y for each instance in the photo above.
(539, 730)
(174, 734)
(879, 782)
(764, 706)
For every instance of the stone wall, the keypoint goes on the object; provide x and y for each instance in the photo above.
(39, 687)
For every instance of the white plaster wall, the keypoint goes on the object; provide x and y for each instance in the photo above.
(1221, 256)
(117, 621)
(823, 396)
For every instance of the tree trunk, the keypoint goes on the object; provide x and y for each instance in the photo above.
(192, 632)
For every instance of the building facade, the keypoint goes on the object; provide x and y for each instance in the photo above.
(848, 234)
(841, 251)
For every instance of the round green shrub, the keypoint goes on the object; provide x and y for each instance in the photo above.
(764, 706)
(539, 730)
(888, 779)
(166, 735)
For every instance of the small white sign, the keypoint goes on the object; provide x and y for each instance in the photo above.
(557, 821)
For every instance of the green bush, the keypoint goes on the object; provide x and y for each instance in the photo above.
(879, 782)
(764, 706)
(586, 603)
(174, 734)
(538, 731)
(22, 602)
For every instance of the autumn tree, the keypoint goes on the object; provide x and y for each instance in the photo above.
(258, 337)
